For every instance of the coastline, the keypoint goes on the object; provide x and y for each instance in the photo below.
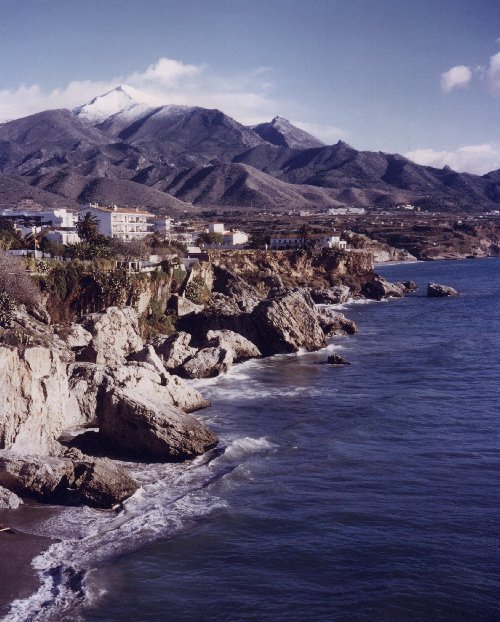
(19, 578)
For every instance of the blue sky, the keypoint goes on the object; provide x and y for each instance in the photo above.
(417, 77)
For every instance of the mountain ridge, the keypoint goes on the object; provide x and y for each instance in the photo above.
(124, 141)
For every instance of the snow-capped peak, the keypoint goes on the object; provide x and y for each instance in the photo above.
(122, 99)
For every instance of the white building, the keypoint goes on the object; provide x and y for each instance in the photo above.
(282, 241)
(163, 225)
(216, 227)
(63, 237)
(120, 222)
(234, 238)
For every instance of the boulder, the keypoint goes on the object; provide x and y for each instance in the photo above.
(332, 296)
(90, 382)
(207, 363)
(337, 359)
(174, 350)
(102, 483)
(242, 348)
(99, 483)
(142, 428)
(334, 323)
(286, 324)
(379, 288)
(115, 335)
(9, 500)
(409, 286)
(43, 478)
(435, 290)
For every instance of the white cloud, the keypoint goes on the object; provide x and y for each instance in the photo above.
(478, 159)
(329, 134)
(246, 96)
(492, 75)
(457, 77)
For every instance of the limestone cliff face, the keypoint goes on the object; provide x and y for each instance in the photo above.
(34, 386)
(296, 268)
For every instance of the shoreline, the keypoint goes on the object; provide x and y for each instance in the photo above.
(19, 579)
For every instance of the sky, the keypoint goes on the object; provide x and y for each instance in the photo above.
(416, 77)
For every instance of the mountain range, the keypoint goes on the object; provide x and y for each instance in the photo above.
(126, 148)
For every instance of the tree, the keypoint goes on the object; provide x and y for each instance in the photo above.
(211, 238)
(88, 227)
(129, 249)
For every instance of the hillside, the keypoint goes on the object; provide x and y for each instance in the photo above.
(124, 147)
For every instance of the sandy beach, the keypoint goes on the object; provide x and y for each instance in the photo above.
(18, 579)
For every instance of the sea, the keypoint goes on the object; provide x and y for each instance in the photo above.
(363, 493)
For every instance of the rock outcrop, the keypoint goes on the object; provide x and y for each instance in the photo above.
(233, 286)
(34, 391)
(241, 348)
(142, 428)
(334, 323)
(286, 324)
(115, 335)
(98, 482)
(337, 359)
(9, 500)
(332, 295)
(379, 288)
(207, 363)
(89, 384)
(435, 290)
(174, 350)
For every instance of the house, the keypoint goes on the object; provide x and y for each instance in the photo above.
(287, 241)
(59, 224)
(216, 227)
(233, 238)
(121, 222)
(163, 225)
(230, 238)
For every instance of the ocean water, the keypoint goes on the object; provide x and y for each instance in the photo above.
(364, 493)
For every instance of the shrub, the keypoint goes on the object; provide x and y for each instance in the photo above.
(7, 308)
(16, 282)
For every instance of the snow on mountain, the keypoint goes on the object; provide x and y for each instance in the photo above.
(124, 100)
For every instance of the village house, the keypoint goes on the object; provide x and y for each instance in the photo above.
(121, 222)
(59, 223)
(230, 238)
(288, 241)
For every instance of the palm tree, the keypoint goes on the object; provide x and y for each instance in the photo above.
(88, 226)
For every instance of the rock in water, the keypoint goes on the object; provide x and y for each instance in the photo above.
(145, 429)
(96, 482)
(242, 348)
(207, 363)
(331, 296)
(435, 290)
(286, 324)
(336, 359)
(102, 483)
(379, 288)
(335, 323)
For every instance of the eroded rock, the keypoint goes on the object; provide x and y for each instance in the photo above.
(435, 290)
(207, 363)
(334, 323)
(379, 288)
(242, 348)
(115, 335)
(143, 428)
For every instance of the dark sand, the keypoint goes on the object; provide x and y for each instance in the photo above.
(17, 577)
